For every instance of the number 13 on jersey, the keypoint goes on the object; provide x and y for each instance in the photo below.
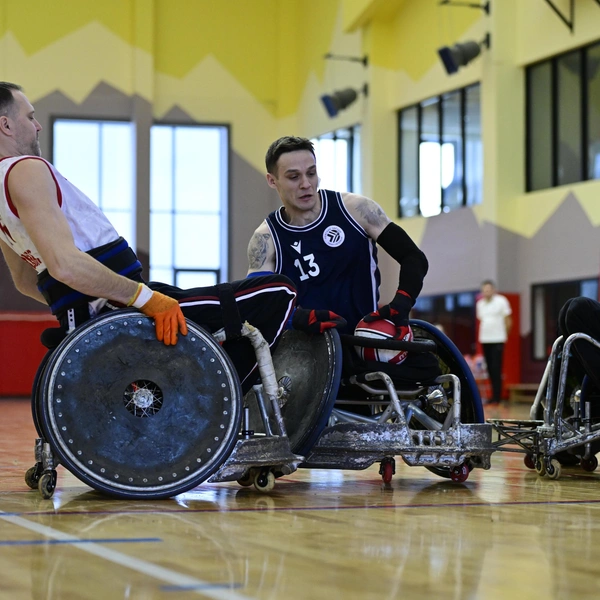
(312, 267)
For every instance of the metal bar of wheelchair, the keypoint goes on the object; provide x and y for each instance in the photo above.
(562, 383)
(260, 401)
(550, 387)
(523, 434)
(540, 394)
(397, 406)
(420, 346)
(267, 373)
(366, 342)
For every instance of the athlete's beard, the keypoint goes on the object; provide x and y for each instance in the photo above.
(32, 149)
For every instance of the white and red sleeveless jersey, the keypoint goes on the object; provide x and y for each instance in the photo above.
(89, 226)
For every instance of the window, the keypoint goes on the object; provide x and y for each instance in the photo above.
(99, 158)
(454, 314)
(563, 119)
(189, 197)
(338, 159)
(546, 301)
(440, 154)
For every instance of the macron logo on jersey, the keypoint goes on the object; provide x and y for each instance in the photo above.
(296, 247)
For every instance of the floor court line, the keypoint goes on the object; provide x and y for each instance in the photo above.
(309, 508)
(78, 541)
(178, 580)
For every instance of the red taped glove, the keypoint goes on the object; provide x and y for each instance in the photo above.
(396, 311)
(316, 321)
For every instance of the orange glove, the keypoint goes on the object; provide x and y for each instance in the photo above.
(165, 311)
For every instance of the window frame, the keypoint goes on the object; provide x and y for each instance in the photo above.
(221, 273)
(353, 171)
(101, 120)
(551, 321)
(441, 135)
(553, 92)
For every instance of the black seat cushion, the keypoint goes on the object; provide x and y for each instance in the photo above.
(421, 368)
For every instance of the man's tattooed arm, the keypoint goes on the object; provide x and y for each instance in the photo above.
(367, 213)
(371, 212)
(260, 252)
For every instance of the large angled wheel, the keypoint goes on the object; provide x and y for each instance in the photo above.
(451, 361)
(308, 369)
(134, 418)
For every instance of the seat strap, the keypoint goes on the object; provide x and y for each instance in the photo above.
(229, 311)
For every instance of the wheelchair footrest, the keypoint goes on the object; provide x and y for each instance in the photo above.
(260, 452)
(551, 446)
(358, 445)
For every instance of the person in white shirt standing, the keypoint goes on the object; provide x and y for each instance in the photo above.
(494, 315)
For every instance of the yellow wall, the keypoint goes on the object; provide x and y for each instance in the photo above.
(405, 69)
(542, 34)
(245, 63)
(259, 66)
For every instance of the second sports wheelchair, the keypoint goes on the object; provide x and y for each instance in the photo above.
(345, 413)
(564, 426)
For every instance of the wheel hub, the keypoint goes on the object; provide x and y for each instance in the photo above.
(143, 398)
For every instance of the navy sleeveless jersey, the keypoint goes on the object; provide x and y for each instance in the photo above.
(332, 261)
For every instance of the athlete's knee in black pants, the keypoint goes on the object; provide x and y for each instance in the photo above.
(266, 302)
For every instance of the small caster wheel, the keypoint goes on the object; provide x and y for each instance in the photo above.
(459, 473)
(540, 467)
(387, 468)
(529, 461)
(32, 476)
(553, 469)
(46, 484)
(264, 481)
(589, 464)
(247, 479)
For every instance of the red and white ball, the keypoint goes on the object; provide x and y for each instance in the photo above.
(382, 329)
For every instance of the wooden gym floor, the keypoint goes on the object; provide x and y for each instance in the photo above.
(504, 534)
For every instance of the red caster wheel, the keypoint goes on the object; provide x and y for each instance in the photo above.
(459, 473)
(387, 468)
(529, 462)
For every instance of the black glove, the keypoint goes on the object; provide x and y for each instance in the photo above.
(316, 321)
(396, 311)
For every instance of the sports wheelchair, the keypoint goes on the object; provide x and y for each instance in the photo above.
(344, 413)
(133, 418)
(564, 426)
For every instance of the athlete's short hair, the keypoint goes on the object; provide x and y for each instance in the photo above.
(7, 100)
(283, 145)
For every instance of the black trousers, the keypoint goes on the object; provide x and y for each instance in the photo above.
(494, 354)
(266, 302)
(582, 315)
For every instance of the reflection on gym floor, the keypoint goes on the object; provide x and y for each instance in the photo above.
(505, 533)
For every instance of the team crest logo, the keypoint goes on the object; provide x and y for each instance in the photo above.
(334, 236)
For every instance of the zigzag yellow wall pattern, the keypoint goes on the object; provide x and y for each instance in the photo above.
(268, 46)
(259, 66)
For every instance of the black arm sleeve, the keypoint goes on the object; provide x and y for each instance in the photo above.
(413, 263)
